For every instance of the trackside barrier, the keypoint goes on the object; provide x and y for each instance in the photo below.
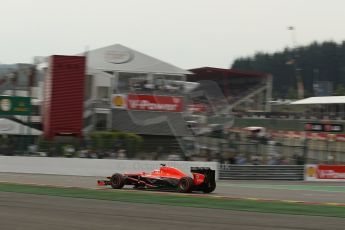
(89, 167)
(105, 167)
(324, 172)
(261, 172)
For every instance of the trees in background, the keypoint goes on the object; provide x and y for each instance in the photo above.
(315, 62)
(98, 142)
(115, 140)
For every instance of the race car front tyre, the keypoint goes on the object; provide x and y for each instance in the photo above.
(210, 188)
(117, 181)
(185, 184)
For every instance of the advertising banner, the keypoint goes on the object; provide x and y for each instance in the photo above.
(309, 135)
(323, 127)
(154, 103)
(324, 172)
(340, 137)
(13, 105)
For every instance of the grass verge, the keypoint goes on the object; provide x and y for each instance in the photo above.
(180, 200)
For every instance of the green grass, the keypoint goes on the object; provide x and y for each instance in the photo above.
(180, 200)
(321, 188)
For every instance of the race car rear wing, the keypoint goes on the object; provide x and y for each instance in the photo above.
(210, 174)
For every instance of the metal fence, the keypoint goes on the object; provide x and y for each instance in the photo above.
(326, 115)
(272, 154)
(261, 172)
(278, 152)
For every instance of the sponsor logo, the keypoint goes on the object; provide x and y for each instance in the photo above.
(325, 172)
(118, 57)
(311, 171)
(331, 172)
(154, 103)
(118, 101)
(147, 105)
(5, 105)
(323, 127)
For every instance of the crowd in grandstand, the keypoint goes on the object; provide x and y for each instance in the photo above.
(148, 86)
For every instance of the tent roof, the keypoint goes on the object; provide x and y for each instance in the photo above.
(320, 100)
(120, 58)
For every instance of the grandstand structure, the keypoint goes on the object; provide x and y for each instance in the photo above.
(130, 91)
(243, 91)
(120, 71)
(129, 86)
(114, 71)
(326, 108)
(18, 131)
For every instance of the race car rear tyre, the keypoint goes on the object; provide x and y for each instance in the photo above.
(117, 181)
(210, 188)
(185, 184)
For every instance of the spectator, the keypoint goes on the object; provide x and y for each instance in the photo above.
(283, 161)
(122, 154)
(240, 159)
(232, 160)
(256, 160)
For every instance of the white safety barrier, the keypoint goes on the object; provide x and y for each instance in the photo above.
(90, 167)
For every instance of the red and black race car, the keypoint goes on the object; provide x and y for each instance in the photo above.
(166, 178)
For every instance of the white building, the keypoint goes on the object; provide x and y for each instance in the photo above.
(117, 69)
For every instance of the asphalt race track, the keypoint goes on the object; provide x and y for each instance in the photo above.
(33, 212)
(36, 212)
(276, 190)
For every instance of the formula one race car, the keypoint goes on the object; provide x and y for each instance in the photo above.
(166, 178)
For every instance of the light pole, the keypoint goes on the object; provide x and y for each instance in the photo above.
(293, 36)
(297, 70)
(300, 86)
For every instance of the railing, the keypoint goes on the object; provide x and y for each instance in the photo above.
(292, 115)
(261, 172)
(247, 94)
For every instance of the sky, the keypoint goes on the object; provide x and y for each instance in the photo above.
(185, 33)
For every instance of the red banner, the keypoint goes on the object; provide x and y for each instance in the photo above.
(340, 137)
(64, 91)
(155, 103)
(330, 172)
